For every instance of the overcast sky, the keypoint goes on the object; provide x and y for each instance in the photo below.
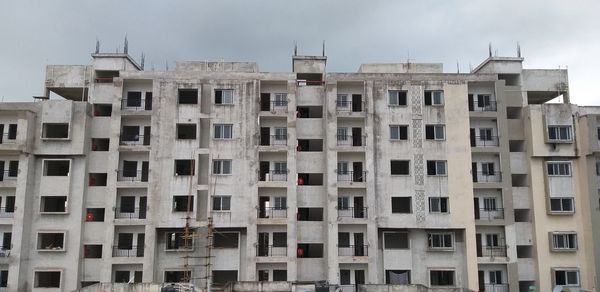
(551, 34)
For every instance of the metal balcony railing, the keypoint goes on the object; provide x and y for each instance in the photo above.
(271, 212)
(484, 141)
(130, 213)
(128, 251)
(487, 107)
(136, 104)
(277, 106)
(273, 140)
(489, 214)
(8, 175)
(271, 251)
(353, 250)
(126, 139)
(4, 252)
(133, 176)
(348, 140)
(487, 177)
(493, 251)
(352, 176)
(274, 175)
(346, 106)
(8, 139)
(7, 212)
(352, 212)
(489, 287)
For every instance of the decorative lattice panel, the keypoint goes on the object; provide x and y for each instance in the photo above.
(420, 206)
(419, 173)
(417, 138)
(415, 99)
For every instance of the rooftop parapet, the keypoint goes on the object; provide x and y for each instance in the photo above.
(401, 68)
(205, 66)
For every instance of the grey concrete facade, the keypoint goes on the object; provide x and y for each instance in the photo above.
(397, 174)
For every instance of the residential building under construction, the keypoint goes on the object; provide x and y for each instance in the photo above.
(215, 172)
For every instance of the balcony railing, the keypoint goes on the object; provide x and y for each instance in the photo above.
(104, 79)
(484, 141)
(353, 250)
(493, 251)
(271, 251)
(348, 140)
(4, 252)
(137, 104)
(133, 176)
(128, 251)
(346, 106)
(8, 175)
(488, 107)
(487, 177)
(130, 213)
(134, 140)
(273, 140)
(352, 212)
(303, 82)
(7, 139)
(277, 106)
(489, 214)
(352, 176)
(274, 175)
(7, 212)
(488, 287)
(271, 212)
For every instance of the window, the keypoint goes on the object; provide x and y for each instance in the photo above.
(397, 97)
(47, 279)
(223, 131)
(4, 278)
(177, 276)
(559, 168)
(102, 110)
(100, 144)
(343, 203)
(489, 204)
(495, 277)
(434, 97)
(566, 277)
(559, 133)
(310, 250)
(438, 205)
(178, 240)
(224, 96)
(184, 167)
(342, 101)
(485, 134)
(441, 240)
(487, 168)
(56, 167)
(13, 168)
(225, 239)
(97, 179)
(51, 241)
(562, 205)
(134, 99)
(564, 241)
(55, 131)
(183, 203)
(220, 278)
(436, 167)
(395, 240)
(280, 100)
(280, 167)
(397, 277)
(94, 215)
(121, 276)
(12, 131)
(221, 166)
(279, 275)
(263, 275)
(310, 214)
(280, 135)
(221, 203)
(188, 96)
(53, 204)
(186, 131)
(400, 167)
(344, 277)
(401, 205)
(398, 132)
(492, 240)
(441, 278)
(280, 203)
(92, 251)
(434, 132)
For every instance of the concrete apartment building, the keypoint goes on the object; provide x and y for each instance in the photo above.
(396, 174)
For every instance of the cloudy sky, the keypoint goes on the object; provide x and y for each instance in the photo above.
(551, 34)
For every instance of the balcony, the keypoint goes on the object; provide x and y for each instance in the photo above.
(487, 106)
(275, 107)
(352, 176)
(136, 104)
(132, 176)
(352, 212)
(271, 251)
(348, 108)
(492, 251)
(134, 140)
(7, 212)
(4, 252)
(353, 250)
(489, 214)
(273, 140)
(271, 212)
(274, 175)
(489, 287)
(350, 141)
(128, 251)
(130, 213)
(487, 177)
(7, 138)
(8, 175)
(485, 141)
